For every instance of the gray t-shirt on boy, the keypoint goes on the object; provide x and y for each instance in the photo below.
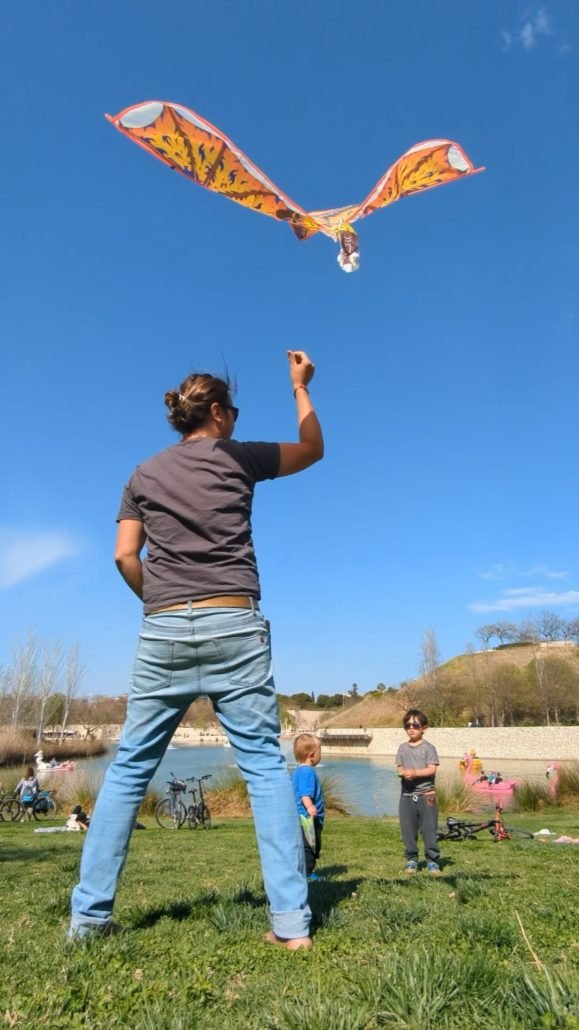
(417, 757)
(194, 500)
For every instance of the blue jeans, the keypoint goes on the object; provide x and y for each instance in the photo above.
(224, 653)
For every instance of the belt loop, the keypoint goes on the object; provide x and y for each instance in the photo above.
(190, 609)
(253, 604)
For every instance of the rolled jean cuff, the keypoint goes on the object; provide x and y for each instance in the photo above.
(81, 924)
(290, 925)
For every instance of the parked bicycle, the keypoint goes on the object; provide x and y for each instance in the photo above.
(10, 808)
(459, 829)
(45, 806)
(170, 812)
(198, 814)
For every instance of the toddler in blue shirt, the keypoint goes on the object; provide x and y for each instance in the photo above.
(309, 797)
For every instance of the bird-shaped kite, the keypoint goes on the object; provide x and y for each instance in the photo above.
(194, 147)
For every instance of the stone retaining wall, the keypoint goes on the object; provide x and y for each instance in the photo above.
(544, 743)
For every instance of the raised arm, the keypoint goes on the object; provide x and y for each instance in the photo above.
(130, 542)
(294, 457)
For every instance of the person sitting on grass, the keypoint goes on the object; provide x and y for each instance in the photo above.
(78, 821)
(309, 797)
(416, 762)
(27, 791)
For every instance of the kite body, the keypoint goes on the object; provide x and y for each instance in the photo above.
(194, 147)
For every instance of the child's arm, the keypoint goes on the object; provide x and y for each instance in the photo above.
(412, 774)
(309, 805)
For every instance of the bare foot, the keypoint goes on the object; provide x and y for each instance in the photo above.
(291, 943)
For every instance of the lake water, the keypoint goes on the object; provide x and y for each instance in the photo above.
(369, 785)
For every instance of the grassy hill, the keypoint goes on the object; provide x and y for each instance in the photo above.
(512, 654)
(465, 668)
(371, 711)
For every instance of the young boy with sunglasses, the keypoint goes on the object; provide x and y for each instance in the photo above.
(416, 762)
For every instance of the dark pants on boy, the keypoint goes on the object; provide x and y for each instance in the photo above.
(312, 848)
(419, 812)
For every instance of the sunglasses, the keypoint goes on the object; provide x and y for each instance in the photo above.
(412, 725)
(233, 410)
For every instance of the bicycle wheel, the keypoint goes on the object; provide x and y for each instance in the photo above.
(517, 834)
(44, 808)
(468, 831)
(205, 817)
(11, 810)
(170, 813)
(193, 817)
(443, 833)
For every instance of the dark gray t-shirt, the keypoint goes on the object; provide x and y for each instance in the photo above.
(417, 757)
(194, 500)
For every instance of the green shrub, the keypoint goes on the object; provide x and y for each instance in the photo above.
(454, 795)
(530, 796)
(567, 788)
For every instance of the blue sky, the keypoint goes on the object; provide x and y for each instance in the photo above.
(447, 367)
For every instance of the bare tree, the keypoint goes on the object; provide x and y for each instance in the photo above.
(556, 684)
(506, 694)
(50, 665)
(528, 632)
(430, 660)
(571, 631)
(23, 676)
(484, 634)
(74, 673)
(548, 625)
(531, 634)
(506, 631)
(430, 657)
(5, 695)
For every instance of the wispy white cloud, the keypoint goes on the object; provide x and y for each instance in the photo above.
(26, 553)
(535, 25)
(508, 570)
(527, 597)
(495, 572)
(544, 570)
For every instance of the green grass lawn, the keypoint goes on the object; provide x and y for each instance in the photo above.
(415, 953)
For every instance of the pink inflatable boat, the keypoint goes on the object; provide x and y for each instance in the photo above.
(490, 785)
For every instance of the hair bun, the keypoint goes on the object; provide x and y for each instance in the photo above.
(172, 398)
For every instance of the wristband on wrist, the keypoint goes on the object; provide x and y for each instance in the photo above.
(301, 386)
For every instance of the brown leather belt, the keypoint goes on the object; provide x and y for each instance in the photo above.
(226, 601)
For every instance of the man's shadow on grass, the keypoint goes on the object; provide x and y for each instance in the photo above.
(326, 895)
(179, 911)
(323, 895)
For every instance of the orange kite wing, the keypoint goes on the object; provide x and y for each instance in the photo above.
(424, 166)
(194, 147)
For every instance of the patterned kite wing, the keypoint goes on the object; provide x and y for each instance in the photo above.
(194, 147)
(424, 166)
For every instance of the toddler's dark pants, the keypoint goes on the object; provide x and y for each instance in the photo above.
(419, 812)
(313, 853)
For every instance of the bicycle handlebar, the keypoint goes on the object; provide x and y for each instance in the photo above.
(183, 779)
